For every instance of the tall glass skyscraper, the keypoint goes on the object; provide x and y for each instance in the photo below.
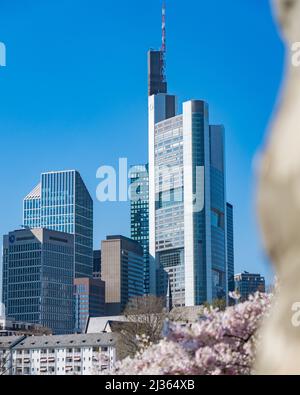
(62, 202)
(187, 197)
(180, 199)
(188, 234)
(230, 247)
(218, 212)
(140, 215)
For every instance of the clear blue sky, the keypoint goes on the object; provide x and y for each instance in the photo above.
(74, 93)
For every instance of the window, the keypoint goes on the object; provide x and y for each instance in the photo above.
(217, 219)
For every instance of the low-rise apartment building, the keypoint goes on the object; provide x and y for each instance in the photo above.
(87, 354)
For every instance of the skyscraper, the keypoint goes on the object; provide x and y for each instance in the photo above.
(181, 230)
(89, 300)
(38, 270)
(97, 264)
(187, 198)
(230, 247)
(218, 212)
(139, 210)
(62, 202)
(247, 284)
(122, 265)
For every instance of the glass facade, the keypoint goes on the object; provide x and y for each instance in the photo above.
(230, 247)
(38, 278)
(97, 264)
(189, 221)
(247, 284)
(32, 209)
(218, 213)
(62, 202)
(202, 236)
(89, 301)
(169, 210)
(135, 275)
(140, 215)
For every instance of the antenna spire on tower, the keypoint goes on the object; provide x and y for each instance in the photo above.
(164, 46)
(164, 41)
(157, 80)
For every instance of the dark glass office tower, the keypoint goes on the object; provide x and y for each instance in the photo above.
(247, 284)
(89, 301)
(97, 264)
(62, 202)
(140, 214)
(38, 270)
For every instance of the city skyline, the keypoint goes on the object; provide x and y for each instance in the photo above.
(88, 117)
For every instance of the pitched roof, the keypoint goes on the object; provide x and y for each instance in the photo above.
(9, 341)
(85, 340)
(99, 324)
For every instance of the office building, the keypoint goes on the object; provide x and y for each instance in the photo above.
(97, 264)
(187, 197)
(73, 355)
(38, 278)
(230, 247)
(61, 202)
(89, 300)
(139, 181)
(218, 212)
(122, 265)
(247, 284)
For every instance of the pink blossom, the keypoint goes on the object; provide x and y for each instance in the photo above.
(221, 343)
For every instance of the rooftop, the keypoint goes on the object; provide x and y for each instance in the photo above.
(98, 324)
(9, 341)
(89, 340)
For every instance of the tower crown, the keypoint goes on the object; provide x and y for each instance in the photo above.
(157, 81)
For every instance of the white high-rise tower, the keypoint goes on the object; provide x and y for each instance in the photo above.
(187, 199)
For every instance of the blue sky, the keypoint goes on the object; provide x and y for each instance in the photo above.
(74, 94)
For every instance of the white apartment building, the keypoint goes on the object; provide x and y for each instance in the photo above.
(88, 354)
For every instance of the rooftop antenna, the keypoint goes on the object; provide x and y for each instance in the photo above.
(164, 39)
